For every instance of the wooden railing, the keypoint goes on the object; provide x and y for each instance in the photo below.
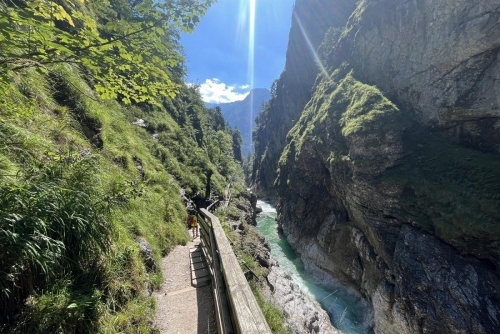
(237, 310)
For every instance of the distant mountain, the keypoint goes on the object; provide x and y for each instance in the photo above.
(241, 115)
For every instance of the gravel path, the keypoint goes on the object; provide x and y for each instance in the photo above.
(181, 308)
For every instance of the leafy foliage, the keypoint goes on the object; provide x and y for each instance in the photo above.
(80, 177)
(129, 49)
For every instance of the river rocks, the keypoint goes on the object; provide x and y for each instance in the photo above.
(242, 223)
(246, 203)
(302, 314)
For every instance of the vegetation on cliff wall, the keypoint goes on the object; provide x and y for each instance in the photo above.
(293, 89)
(352, 193)
(354, 113)
(342, 106)
(449, 190)
(82, 178)
(393, 158)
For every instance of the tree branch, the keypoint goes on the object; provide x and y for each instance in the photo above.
(74, 50)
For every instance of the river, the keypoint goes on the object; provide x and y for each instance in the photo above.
(347, 312)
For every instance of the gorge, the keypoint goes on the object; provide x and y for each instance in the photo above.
(381, 147)
(347, 312)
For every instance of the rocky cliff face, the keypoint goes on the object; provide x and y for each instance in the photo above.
(437, 58)
(290, 93)
(390, 179)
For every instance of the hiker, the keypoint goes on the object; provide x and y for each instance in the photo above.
(193, 222)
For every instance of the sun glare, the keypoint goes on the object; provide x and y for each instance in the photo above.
(251, 53)
(246, 31)
(251, 42)
(310, 46)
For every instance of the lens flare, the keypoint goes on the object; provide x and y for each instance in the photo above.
(251, 57)
(246, 32)
(251, 42)
(311, 47)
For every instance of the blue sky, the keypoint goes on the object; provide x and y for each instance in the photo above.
(238, 45)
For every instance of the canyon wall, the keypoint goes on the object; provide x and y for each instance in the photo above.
(291, 91)
(388, 179)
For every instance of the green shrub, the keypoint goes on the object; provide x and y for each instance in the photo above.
(78, 184)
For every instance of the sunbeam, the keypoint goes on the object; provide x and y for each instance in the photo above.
(311, 47)
(251, 42)
(251, 55)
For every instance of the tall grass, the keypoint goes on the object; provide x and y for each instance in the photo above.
(53, 224)
(63, 308)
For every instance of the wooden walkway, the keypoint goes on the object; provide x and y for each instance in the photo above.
(184, 303)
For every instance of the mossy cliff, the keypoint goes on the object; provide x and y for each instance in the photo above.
(389, 180)
(291, 91)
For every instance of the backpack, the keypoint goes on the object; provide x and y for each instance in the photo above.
(192, 221)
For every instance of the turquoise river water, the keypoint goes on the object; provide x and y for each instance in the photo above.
(347, 313)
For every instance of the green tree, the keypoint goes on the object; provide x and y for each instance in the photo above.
(218, 121)
(237, 141)
(129, 49)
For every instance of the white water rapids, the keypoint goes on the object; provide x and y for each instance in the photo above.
(347, 313)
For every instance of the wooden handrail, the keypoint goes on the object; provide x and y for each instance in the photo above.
(212, 205)
(237, 310)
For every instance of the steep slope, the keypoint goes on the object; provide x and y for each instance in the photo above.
(389, 181)
(101, 145)
(84, 183)
(290, 93)
(241, 115)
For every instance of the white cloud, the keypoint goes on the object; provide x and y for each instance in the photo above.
(214, 91)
